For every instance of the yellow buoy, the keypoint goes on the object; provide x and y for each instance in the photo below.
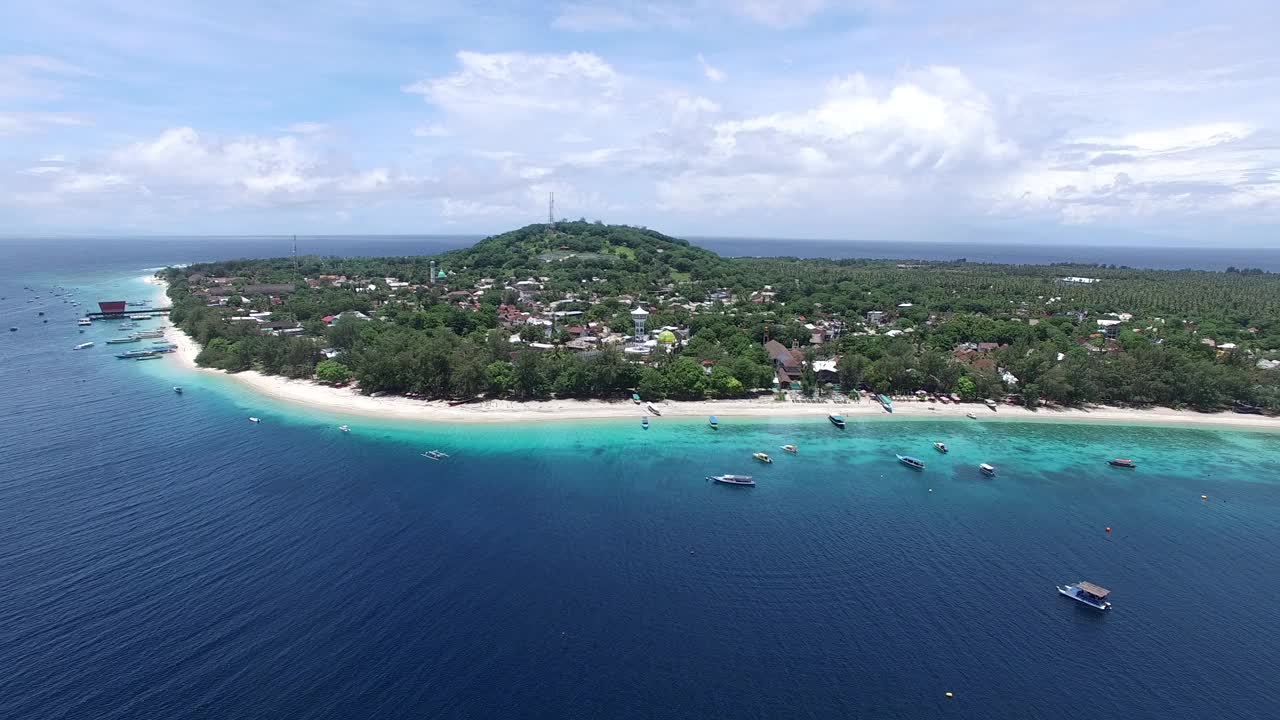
(949, 695)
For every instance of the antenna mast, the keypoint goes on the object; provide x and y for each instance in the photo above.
(295, 257)
(551, 210)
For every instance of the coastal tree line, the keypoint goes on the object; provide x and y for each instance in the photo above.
(429, 346)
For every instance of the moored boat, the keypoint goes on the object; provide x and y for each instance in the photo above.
(791, 449)
(911, 462)
(644, 423)
(971, 416)
(762, 458)
(1086, 592)
(733, 479)
(135, 354)
(653, 409)
(987, 469)
(122, 341)
(177, 389)
(83, 345)
(1122, 463)
(148, 356)
(254, 420)
(344, 428)
(940, 447)
(837, 420)
(434, 455)
(713, 422)
(84, 321)
(635, 398)
(886, 402)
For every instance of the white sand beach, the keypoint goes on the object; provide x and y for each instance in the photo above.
(346, 401)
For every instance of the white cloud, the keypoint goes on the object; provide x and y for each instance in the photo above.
(1213, 168)
(431, 130)
(711, 72)
(181, 164)
(779, 13)
(35, 77)
(495, 84)
(14, 123)
(307, 128)
(689, 15)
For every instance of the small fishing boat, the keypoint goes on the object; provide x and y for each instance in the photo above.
(762, 458)
(434, 455)
(254, 420)
(1086, 592)
(886, 402)
(990, 403)
(971, 416)
(940, 447)
(344, 428)
(177, 390)
(84, 321)
(635, 398)
(135, 354)
(790, 448)
(733, 479)
(13, 329)
(41, 313)
(82, 346)
(1122, 463)
(644, 423)
(122, 341)
(911, 462)
(837, 420)
(715, 424)
(653, 409)
(986, 469)
(148, 356)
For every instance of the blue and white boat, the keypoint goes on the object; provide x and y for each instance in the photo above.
(1086, 592)
(837, 420)
(644, 423)
(715, 424)
(911, 462)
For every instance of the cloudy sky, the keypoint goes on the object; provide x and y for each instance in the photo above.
(1046, 121)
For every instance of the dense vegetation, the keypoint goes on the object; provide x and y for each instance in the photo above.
(435, 341)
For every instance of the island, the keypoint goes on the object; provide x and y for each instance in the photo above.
(584, 310)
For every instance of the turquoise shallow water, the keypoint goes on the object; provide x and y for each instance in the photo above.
(164, 558)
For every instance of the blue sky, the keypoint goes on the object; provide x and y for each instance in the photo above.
(1127, 121)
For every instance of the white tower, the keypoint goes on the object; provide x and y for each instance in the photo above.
(639, 316)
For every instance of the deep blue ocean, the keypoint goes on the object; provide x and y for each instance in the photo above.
(163, 558)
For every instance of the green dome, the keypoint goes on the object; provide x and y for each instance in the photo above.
(440, 274)
(666, 336)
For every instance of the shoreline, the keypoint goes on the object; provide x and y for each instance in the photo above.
(348, 402)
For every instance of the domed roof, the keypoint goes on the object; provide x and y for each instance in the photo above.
(666, 336)
(640, 312)
(440, 274)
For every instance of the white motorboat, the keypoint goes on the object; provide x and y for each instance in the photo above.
(733, 479)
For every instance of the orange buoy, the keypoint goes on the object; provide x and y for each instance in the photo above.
(1108, 529)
